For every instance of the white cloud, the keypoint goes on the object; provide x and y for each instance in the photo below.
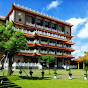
(83, 33)
(79, 49)
(76, 22)
(53, 4)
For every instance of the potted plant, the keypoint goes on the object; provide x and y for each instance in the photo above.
(31, 72)
(43, 71)
(55, 73)
(85, 75)
(70, 74)
(20, 72)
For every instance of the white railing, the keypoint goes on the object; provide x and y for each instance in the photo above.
(65, 46)
(46, 28)
(70, 41)
(65, 54)
(69, 66)
(30, 51)
(51, 52)
(43, 51)
(32, 42)
(60, 45)
(42, 33)
(24, 65)
(53, 44)
(39, 26)
(59, 53)
(43, 42)
(70, 48)
(30, 24)
(54, 30)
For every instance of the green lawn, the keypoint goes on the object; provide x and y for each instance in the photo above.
(62, 74)
(38, 82)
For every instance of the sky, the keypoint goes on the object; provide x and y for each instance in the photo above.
(72, 11)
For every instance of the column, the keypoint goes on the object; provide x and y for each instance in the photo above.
(57, 27)
(56, 62)
(51, 25)
(78, 65)
(64, 28)
(39, 40)
(14, 14)
(25, 18)
(83, 65)
(48, 41)
(56, 43)
(43, 22)
(35, 19)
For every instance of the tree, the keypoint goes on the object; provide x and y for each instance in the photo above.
(47, 59)
(11, 42)
(85, 60)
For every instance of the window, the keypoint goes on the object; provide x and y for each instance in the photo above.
(39, 22)
(19, 19)
(46, 24)
(67, 32)
(54, 26)
(18, 61)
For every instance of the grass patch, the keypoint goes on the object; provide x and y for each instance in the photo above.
(43, 83)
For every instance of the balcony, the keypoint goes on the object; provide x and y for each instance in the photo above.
(59, 53)
(30, 51)
(60, 45)
(43, 51)
(42, 27)
(70, 48)
(30, 24)
(53, 44)
(46, 28)
(43, 42)
(54, 30)
(51, 52)
(32, 42)
(65, 46)
(41, 33)
(39, 26)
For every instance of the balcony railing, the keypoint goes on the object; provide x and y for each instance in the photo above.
(30, 51)
(60, 45)
(43, 51)
(30, 24)
(70, 48)
(53, 44)
(43, 42)
(46, 28)
(59, 53)
(51, 52)
(32, 42)
(41, 33)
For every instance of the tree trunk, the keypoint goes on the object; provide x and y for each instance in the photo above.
(9, 65)
(49, 65)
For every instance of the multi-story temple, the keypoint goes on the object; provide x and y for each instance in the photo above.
(45, 35)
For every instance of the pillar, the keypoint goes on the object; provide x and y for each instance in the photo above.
(83, 65)
(78, 65)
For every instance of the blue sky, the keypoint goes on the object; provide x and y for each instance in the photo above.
(73, 11)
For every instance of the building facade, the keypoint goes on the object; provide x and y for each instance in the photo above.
(45, 35)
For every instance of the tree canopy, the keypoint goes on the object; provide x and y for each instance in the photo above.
(11, 42)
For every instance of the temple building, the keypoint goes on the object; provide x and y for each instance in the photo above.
(45, 35)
